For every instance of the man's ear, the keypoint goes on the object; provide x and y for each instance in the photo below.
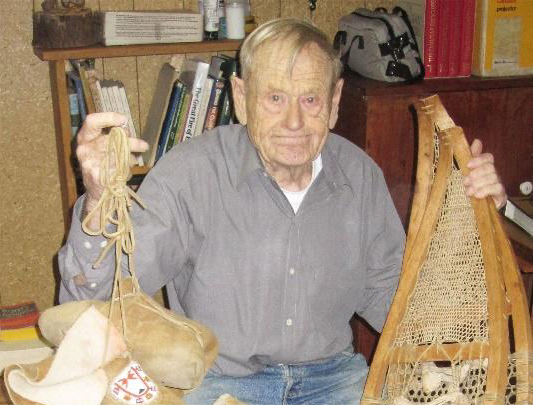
(239, 98)
(334, 114)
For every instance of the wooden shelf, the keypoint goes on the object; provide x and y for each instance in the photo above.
(56, 59)
(100, 51)
(427, 86)
(140, 170)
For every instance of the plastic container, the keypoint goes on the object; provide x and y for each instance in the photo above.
(234, 11)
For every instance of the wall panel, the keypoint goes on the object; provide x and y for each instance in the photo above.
(30, 204)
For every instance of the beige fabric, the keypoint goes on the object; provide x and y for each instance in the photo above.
(80, 373)
(75, 371)
(174, 350)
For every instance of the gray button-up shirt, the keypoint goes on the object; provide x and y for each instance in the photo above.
(274, 286)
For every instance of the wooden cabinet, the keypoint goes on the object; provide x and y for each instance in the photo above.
(58, 84)
(379, 118)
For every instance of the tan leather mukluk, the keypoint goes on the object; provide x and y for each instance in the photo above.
(459, 330)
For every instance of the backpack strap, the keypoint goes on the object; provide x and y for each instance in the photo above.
(403, 14)
(340, 40)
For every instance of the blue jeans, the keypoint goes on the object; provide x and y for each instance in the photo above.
(338, 380)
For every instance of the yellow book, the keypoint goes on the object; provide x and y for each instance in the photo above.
(23, 352)
(28, 333)
(503, 44)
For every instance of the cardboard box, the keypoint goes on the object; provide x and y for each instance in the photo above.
(503, 44)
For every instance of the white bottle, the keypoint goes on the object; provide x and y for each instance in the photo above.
(234, 13)
(210, 19)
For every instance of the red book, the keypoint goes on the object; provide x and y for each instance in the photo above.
(19, 316)
(443, 28)
(430, 38)
(454, 37)
(467, 37)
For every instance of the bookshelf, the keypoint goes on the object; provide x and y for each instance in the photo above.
(56, 59)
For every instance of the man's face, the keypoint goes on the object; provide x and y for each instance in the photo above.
(289, 115)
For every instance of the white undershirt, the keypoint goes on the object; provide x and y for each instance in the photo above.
(296, 197)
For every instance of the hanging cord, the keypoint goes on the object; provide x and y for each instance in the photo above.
(115, 225)
(113, 207)
(116, 201)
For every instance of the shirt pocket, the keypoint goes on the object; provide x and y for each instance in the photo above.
(335, 296)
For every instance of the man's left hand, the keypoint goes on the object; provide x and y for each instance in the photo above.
(483, 180)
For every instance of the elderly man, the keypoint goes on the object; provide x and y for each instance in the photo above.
(272, 232)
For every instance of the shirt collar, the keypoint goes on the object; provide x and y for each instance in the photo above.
(333, 173)
(251, 163)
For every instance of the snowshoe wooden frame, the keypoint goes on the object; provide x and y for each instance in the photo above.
(506, 298)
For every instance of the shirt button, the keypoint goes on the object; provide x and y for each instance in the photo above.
(292, 271)
(103, 244)
(289, 322)
(87, 244)
(92, 285)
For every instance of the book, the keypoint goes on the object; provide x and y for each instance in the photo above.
(105, 95)
(193, 75)
(151, 132)
(170, 115)
(113, 102)
(173, 135)
(20, 340)
(443, 28)
(429, 45)
(225, 115)
(146, 27)
(126, 109)
(467, 37)
(117, 98)
(80, 66)
(202, 111)
(112, 98)
(502, 38)
(454, 37)
(214, 104)
(131, 125)
(182, 119)
(27, 333)
(519, 216)
(121, 102)
(23, 352)
(100, 93)
(74, 78)
(19, 315)
(75, 119)
(92, 80)
(89, 101)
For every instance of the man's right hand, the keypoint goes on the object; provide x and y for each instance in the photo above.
(91, 150)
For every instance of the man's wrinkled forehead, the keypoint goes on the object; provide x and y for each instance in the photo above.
(274, 62)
